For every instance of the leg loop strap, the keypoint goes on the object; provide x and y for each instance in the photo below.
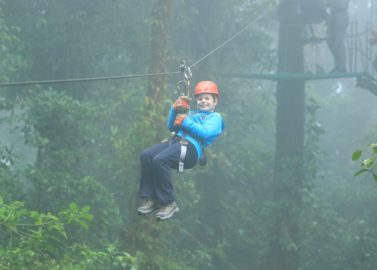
(181, 164)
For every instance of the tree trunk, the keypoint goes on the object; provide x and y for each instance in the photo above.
(158, 62)
(154, 119)
(159, 48)
(282, 253)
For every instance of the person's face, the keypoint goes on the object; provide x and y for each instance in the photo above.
(206, 102)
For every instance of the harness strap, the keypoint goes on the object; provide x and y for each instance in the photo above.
(182, 156)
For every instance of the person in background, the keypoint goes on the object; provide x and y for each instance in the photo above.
(194, 130)
(337, 29)
(314, 16)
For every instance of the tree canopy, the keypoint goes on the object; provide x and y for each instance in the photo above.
(69, 158)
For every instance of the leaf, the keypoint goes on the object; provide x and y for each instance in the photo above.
(73, 207)
(373, 146)
(87, 216)
(375, 177)
(360, 172)
(356, 155)
(83, 224)
(367, 163)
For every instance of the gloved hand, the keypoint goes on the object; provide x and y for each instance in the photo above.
(182, 104)
(179, 119)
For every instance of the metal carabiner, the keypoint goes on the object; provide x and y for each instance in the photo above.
(188, 73)
(184, 84)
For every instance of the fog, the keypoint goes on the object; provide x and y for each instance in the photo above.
(86, 86)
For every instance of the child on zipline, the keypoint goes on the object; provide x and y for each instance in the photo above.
(193, 132)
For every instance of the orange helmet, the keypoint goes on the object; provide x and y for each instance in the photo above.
(206, 87)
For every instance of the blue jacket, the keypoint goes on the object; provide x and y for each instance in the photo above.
(199, 128)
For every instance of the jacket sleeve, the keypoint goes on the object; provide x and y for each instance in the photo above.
(212, 127)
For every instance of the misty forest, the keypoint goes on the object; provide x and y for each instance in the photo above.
(86, 85)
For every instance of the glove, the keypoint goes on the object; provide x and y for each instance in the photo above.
(182, 104)
(179, 119)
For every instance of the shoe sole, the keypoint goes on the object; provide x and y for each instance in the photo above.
(145, 212)
(171, 214)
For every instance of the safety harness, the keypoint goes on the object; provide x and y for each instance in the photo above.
(183, 87)
(184, 143)
(182, 156)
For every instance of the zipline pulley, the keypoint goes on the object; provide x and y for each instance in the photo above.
(183, 85)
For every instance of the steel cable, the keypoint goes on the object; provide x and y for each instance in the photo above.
(73, 80)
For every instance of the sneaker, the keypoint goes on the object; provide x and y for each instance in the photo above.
(167, 211)
(147, 206)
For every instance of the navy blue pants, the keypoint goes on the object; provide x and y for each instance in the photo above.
(156, 164)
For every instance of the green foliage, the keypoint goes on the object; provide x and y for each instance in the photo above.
(76, 215)
(52, 191)
(63, 131)
(74, 208)
(31, 236)
(59, 127)
(10, 61)
(368, 164)
(36, 241)
(84, 258)
(7, 178)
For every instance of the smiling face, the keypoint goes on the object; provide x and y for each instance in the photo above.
(206, 102)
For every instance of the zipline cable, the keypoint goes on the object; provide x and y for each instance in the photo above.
(87, 79)
(135, 75)
(231, 38)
